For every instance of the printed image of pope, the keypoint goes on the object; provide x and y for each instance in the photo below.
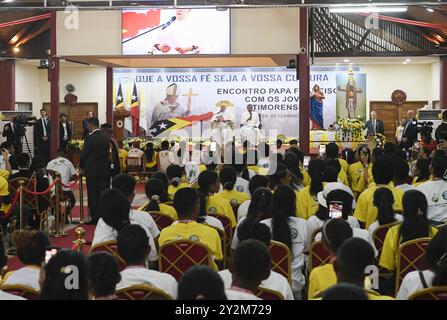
(170, 107)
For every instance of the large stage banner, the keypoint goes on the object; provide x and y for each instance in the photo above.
(173, 99)
(351, 95)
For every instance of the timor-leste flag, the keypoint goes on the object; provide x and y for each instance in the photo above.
(119, 99)
(135, 111)
(158, 127)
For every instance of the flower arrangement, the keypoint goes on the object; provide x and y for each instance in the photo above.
(380, 139)
(351, 128)
(76, 144)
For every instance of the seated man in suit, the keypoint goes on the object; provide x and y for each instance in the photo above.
(374, 125)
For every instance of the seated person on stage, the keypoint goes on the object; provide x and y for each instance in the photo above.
(126, 184)
(277, 282)
(151, 157)
(133, 247)
(114, 210)
(30, 246)
(156, 194)
(135, 152)
(228, 178)
(222, 123)
(3, 262)
(250, 123)
(165, 156)
(251, 266)
(187, 205)
(68, 173)
(104, 275)
(177, 181)
(201, 282)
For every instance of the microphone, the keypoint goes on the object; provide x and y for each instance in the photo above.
(167, 24)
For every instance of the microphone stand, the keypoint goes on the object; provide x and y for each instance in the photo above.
(141, 34)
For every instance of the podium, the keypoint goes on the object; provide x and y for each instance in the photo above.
(119, 116)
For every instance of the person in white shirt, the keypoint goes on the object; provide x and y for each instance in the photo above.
(222, 123)
(135, 152)
(165, 156)
(104, 275)
(436, 275)
(251, 266)
(133, 248)
(114, 210)
(67, 171)
(126, 184)
(383, 200)
(200, 282)
(435, 190)
(400, 179)
(3, 262)
(250, 123)
(256, 182)
(276, 281)
(290, 230)
(30, 248)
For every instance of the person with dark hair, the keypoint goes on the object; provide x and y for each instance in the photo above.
(64, 132)
(133, 247)
(187, 204)
(276, 282)
(251, 266)
(348, 155)
(334, 233)
(435, 190)
(279, 144)
(360, 170)
(340, 174)
(163, 177)
(307, 197)
(293, 144)
(400, 179)
(353, 258)
(436, 275)
(151, 157)
(3, 262)
(165, 156)
(389, 149)
(156, 195)
(290, 230)
(175, 174)
(55, 275)
(201, 282)
(228, 178)
(126, 184)
(293, 164)
(382, 172)
(104, 275)
(30, 246)
(209, 185)
(8, 159)
(114, 158)
(421, 171)
(344, 291)
(263, 152)
(86, 131)
(415, 225)
(332, 154)
(42, 134)
(114, 208)
(258, 181)
(383, 200)
(95, 166)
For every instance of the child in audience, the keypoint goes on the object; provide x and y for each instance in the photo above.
(282, 176)
(435, 191)
(187, 205)
(401, 170)
(436, 275)
(3, 262)
(256, 182)
(341, 175)
(243, 176)
(353, 258)
(163, 177)
(209, 202)
(334, 233)
(151, 157)
(175, 174)
(165, 156)
(290, 230)
(293, 164)
(345, 291)
(307, 197)
(156, 193)
(59, 271)
(415, 225)
(383, 200)
(201, 283)
(228, 177)
(133, 248)
(251, 266)
(359, 170)
(421, 171)
(276, 282)
(104, 275)
(30, 248)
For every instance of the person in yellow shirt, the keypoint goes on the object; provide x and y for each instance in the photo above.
(228, 177)
(345, 291)
(421, 172)
(334, 233)
(332, 153)
(358, 171)
(293, 164)
(209, 184)
(151, 157)
(156, 194)
(415, 225)
(353, 258)
(187, 204)
(122, 154)
(382, 172)
(5, 173)
(176, 177)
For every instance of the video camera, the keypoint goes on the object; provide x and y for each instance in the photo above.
(21, 121)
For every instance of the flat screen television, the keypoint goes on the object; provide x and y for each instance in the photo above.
(175, 31)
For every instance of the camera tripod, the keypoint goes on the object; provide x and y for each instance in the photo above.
(22, 136)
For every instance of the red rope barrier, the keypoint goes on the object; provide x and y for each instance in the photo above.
(41, 193)
(11, 207)
(71, 185)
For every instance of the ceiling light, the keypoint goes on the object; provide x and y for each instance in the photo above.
(369, 9)
(430, 10)
(16, 49)
(346, 60)
(7, 1)
(407, 60)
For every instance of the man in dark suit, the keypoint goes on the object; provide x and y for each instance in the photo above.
(64, 133)
(114, 159)
(410, 133)
(374, 125)
(42, 133)
(11, 133)
(85, 125)
(95, 166)
(441, 130)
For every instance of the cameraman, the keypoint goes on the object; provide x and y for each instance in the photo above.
(11, 133)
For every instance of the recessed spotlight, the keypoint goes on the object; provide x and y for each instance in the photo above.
(16, 49)
(430, 10)
(346, 60)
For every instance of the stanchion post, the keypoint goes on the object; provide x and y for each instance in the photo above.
(21, 182)
(81, 199)
(79, 242)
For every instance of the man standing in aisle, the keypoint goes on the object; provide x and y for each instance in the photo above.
(64, 133)
(42, 135)
(410, 133)
(250, 126)
(85, 125)
(95, 166)
(374, 125)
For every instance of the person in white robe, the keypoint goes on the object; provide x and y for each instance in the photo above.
(222, 123)
(250, 123)
(169, 108)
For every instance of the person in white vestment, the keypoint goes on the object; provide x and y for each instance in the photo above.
(170, 107)
(250, 123)
(222, 123)
(133, 248)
